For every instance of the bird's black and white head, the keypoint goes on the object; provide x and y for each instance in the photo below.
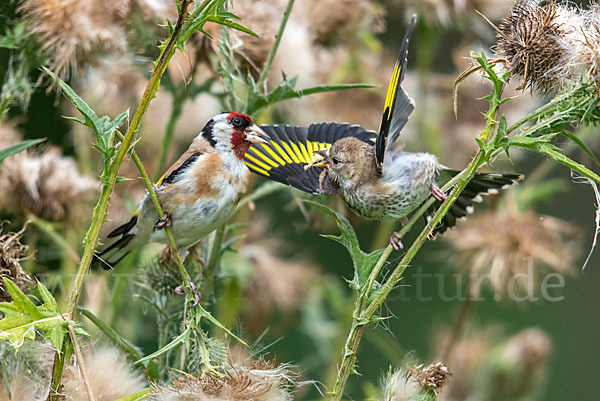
(350, 162)
(233, 132)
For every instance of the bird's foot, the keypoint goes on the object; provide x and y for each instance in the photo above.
(181, 291)
(164, 221)
(437, 193)
(395, 241)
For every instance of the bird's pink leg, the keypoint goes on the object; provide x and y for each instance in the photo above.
(437, 192)
(180, 291)
(163, 222)
(395, 241)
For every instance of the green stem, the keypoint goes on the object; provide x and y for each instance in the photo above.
(265, 72)
(81, 363)
(185, 277)
(370, 305)
(109, 179)
(4, 103)
(405, 229)
(49, 230)
(213, 260)
(179, 98)
(367, 305)
(132, 351)
(541, 111)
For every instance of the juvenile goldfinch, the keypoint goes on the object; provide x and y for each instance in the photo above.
(376, 179)
(197, 194)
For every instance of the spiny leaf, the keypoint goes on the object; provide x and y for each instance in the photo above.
(22, 317)
(581, 144)
(182, 338)
(123, 344)
(286, 91)
(103, 126)
(231, 24)
(363, 262)
(19, 147)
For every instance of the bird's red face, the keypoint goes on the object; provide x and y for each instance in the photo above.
(245, 133)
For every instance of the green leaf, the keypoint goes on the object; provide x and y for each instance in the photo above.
(231, 24)
(363, 262)
(286, 91)
(22, 317)
(581, 144)
(122, 343)
(183, 337)
(19, 147)
(139, 396)
(203, 313)
(5, 378)
(103, 126)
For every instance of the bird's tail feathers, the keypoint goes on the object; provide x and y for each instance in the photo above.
(108, 258)
(112, 255)
(480, 184)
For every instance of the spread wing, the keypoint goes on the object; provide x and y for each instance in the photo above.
(292, 148)
(398, 105)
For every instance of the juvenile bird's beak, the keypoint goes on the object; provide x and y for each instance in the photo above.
(256, 135)
(319, 159)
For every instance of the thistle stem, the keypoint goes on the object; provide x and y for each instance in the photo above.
(265, 72)
(213, 260)
(81, 363)
(109, 178)
(367, 304)
(185, 277)
(179, 98)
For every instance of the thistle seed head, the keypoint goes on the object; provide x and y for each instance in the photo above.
(12, 252)
(510, 248)
(44, 183)
(254, 381)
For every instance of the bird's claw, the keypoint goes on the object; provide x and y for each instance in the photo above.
(181, 291)
(395, 241)
(437, 193)
(164, 221)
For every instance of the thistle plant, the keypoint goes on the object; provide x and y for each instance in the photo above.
(195, 353)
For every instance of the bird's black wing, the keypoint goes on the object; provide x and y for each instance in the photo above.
(398, 105)
(291, 149)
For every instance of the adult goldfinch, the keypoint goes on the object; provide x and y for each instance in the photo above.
(376, 179)
(197, 194)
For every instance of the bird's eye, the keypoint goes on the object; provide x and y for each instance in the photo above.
(237, 121)
(335, 160)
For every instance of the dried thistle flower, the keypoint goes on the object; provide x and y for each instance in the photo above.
(419, 382)
(502, 247)
(111, 377)
(550, 46)
(431, 377)
(45, 183)
(77, 33)
(257, 381)
(262, 17)
(12, 252)
(334, 21)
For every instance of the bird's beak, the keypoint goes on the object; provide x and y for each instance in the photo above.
(256, 135)
(319, 159)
